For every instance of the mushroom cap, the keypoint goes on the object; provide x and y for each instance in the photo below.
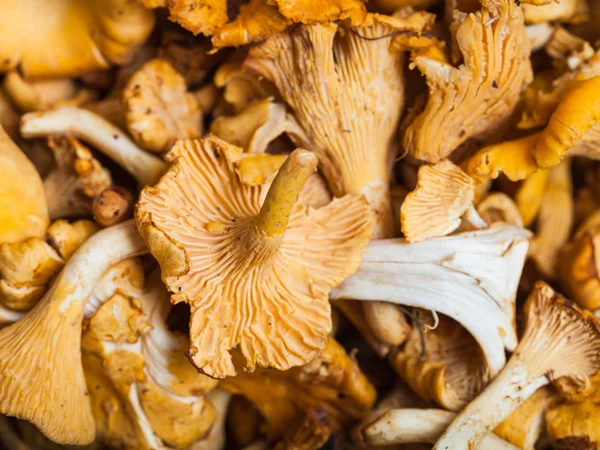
(67, 37)
(475, 98)
(67, 237)
(159, 110)
(33, 95)
(449, 370)
(577, 112)
(268, 297)
(443, 194)
(565, 11)
(497, 207)
(23, 209)
(575, 420)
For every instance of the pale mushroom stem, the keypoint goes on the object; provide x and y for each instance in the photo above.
(41, 377)
(411, 426)
(273, 217)
(507, 392)
(98, 132)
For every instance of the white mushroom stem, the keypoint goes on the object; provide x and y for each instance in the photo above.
(409, 426)
(98, 132)
(41, 376)
(471, 277)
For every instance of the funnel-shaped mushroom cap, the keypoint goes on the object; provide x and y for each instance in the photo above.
(565, 11)
(443, 194)
(348, 102)
(23, 210)
(560, 340)
(256, 278)
(69, 37)
(475, 98)
(158, 109)
(41, 378)
(577, 113)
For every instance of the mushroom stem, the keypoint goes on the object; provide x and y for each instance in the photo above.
(100, 133)
(41, 377)
(273, 217)
(410, 426)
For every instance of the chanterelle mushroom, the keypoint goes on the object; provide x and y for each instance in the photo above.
(560, 340)
(23, 209)
(256, 277)
(348, 102)
(471, 277)
(41, 379)
(158, 109)
(67, 37)
(475, 98)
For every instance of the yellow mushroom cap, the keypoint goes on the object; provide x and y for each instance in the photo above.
(69, 37)
(443, 194)
(256, 277)
(158, 109)
(577, 113)
(23, 209)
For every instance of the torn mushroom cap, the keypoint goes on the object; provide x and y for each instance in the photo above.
(527, 423)
(257, 124)
(408, 426)
(23, 209)
(475, 98)
(560, 340)
(448, 367)
(98, 132)
(254, 20)
(159, 110)
(200, 223)
(476, 272)
(41, 379)
(25, 268)
(77, 178)
(332, 382)
(577, 113)
(554, 221)
(67, 38)
(348, 102)
(443, 194)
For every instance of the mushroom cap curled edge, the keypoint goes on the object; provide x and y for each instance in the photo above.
(256, 267)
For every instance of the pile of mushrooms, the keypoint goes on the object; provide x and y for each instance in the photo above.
(300, 225)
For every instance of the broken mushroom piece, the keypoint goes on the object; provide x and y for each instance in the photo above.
(76, 180)
(230, 250)
(112, 206)
(47, 386)
(67, 38)
(497, 207)
(348, 103)
(478, 96)
(23, 209)
(443, 195)
(159, 110)
(445, 365)
(101, 134)
(575, 422)
(408, 426)
(560, 340)
(471, 277)
(67, 237)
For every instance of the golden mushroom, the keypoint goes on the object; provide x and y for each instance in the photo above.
(240, 256)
